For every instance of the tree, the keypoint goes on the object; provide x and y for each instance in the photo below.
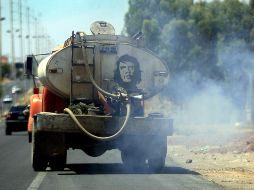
(151, 33)
(192, 37)
(6, 70)
(176, 45)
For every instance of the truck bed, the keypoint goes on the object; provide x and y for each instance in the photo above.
(102, 124)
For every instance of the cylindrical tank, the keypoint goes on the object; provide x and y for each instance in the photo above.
(64, 73)
(54, 72)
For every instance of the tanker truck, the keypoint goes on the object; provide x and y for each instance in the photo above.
(93, 97)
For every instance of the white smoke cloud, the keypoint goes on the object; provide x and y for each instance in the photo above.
(209, 109)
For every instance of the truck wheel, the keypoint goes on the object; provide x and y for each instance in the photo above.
(58, 162)
(157, 156)
(94, 152)
(133, 159)
(156, 164)
(8, 130)
(39, 160)
(29, 137)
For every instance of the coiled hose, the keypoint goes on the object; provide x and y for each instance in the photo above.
(95, 137)
(128, 106)
(91, 76)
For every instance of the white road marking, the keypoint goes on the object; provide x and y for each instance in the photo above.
(35, 185)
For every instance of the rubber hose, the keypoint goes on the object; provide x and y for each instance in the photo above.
(91, 77)
(107, 138)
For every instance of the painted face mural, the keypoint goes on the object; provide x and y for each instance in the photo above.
(126, 71)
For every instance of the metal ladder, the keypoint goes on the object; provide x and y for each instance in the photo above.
(81, 87)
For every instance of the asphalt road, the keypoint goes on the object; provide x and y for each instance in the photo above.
(24, 84)
(83, 172)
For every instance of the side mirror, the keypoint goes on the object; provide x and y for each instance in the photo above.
(36, 90)
(27, 110)
(29, 65)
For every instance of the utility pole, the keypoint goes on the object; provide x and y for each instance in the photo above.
(35, 35)
(41, 39)
(28, 31)
(1, 19)
(0, 29)
(21, 32)
(40, 34)
(12, 40)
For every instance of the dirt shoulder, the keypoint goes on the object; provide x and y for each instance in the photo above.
(226, 158)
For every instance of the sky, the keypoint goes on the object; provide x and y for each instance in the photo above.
(58, 18)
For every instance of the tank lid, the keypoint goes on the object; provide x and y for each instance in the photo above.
(102, 27)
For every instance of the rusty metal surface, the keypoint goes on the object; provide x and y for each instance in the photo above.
(103, 51)
(103, 125)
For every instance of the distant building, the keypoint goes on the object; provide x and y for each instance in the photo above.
(4, 59)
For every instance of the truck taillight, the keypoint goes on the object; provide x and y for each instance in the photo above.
(8, 115)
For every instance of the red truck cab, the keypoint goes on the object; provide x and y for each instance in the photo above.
(35, 107)
(46, 102)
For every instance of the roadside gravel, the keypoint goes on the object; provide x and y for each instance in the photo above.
(225, 158)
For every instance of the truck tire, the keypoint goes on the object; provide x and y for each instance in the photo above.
(29, 137)
(94, 152)
(157, 155)
(8, 130)
(133, 159)
(39, 158)
(58, 162)
(39, 162)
